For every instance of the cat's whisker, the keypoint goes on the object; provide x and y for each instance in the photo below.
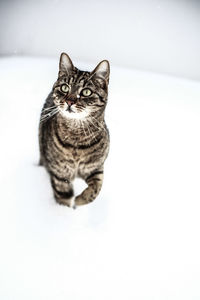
(45, 117)
(82, 125)
(49, 108)
(88, 128)
(89, 120)
(98, 123)
(91, 124)
(48, 113)
(91, 127)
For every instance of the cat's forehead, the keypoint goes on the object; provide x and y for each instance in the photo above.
(76, 78)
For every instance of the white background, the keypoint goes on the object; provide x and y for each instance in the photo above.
(140, 238)
(156, 35)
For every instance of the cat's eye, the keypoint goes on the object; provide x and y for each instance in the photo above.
(86, 92)
(64, 88)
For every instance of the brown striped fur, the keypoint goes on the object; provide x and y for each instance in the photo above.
(73, 137)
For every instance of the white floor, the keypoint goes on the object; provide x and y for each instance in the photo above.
(141, 238)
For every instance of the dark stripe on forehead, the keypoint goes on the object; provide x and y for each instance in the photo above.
(83, 76)
(74, 78)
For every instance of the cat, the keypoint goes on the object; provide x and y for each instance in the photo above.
(73, 137)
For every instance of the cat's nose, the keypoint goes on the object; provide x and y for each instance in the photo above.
(70, 102)
(71, 99)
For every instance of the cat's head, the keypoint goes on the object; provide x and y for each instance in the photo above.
(79, 94)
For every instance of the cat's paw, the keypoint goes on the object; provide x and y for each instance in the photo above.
(67, 202)
(79, 200)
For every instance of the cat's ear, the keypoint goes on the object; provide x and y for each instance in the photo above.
(102, 70)
(65, 65)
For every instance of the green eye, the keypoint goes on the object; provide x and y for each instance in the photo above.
(86, 92)
(64, 88)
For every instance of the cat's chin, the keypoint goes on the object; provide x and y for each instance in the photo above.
(74, 115)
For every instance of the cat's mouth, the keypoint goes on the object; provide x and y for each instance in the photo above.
(69, 109)
(73, 113)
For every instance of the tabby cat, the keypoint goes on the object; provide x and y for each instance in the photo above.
(73, 137)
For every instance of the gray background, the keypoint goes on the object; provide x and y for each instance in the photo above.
(154, 35)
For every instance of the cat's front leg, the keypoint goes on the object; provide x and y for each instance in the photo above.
(94, 181)
(63, 191)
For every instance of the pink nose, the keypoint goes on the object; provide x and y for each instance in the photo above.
(69, 102)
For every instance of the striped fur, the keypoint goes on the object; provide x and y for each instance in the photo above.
(73, 137)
